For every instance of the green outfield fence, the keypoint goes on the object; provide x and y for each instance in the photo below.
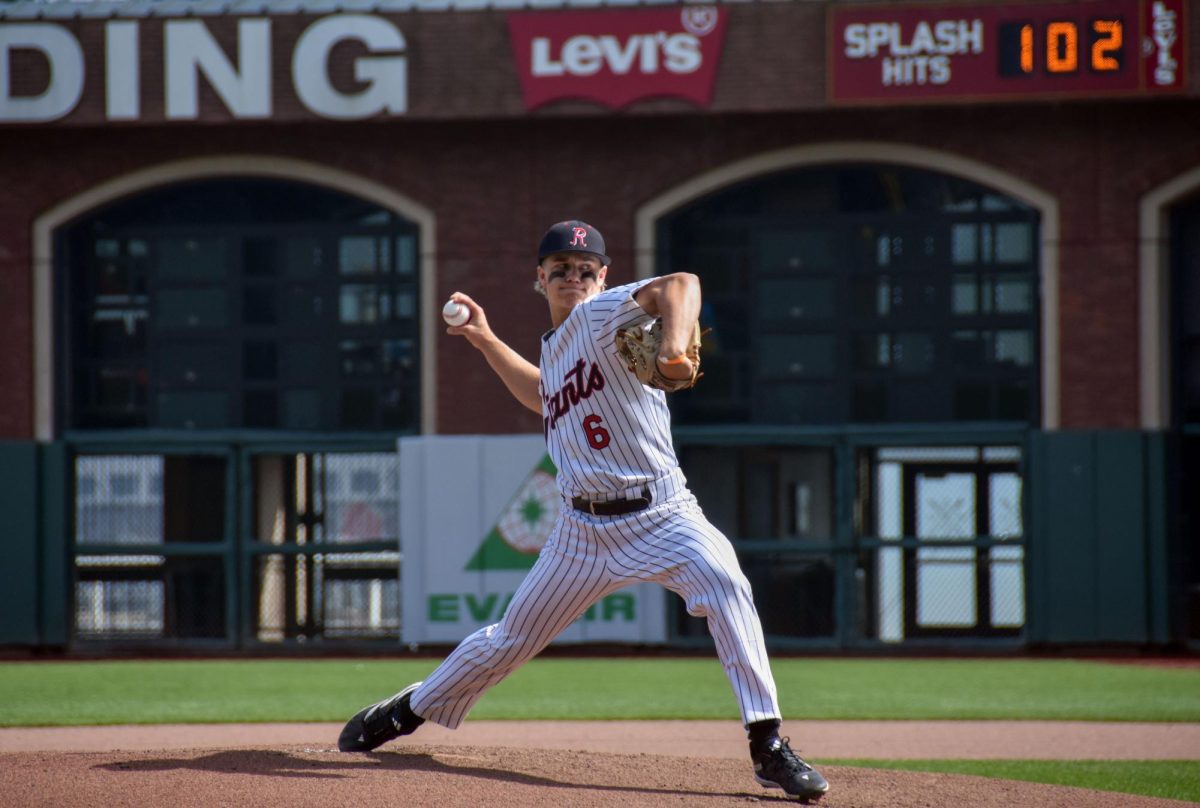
(992, 536)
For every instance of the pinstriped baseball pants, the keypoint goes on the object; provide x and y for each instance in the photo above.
(588, 557)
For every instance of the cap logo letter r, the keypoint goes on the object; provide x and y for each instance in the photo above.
(580, 239)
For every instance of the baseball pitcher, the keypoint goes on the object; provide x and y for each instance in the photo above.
(627, 514)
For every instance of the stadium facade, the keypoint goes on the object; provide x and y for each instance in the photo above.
(950, 255)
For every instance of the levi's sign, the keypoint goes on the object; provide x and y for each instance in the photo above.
(617, 57)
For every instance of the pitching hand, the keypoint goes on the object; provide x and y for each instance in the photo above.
(476, 330)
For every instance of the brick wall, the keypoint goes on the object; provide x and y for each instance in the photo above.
(497, 178)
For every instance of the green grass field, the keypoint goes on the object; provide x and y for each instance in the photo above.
(208, 691)
(1170, 779)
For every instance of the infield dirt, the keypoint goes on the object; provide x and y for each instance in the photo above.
(539, 764)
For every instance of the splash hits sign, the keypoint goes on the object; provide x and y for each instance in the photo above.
(974, 51)
(617, 57)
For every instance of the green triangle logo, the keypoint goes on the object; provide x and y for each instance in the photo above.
(524, 524)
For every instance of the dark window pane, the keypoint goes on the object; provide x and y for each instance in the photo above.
(730, 326)
(358, 408)
(399, 356)
(118, 332)
(192, 259)
(306, 307)
(386, 358)
(303, 257)
(869, 402)
(872, 351)
(193, 365)
(193, 308)
(871, 296)
(301, 409)
(260, 408)
(259, 257)
(359, 358)
(1012, 401)
(194, 498)
(788, 403)
(796, 299)
(970, 349)
(914, 298)
(259, 305)
(112, 278)
(260, 361)
(803, 250)
(395, 408)
(972, 401)
(918, 400)
(301, 363)
(797, 356)
(114, 388)
(721, 269)
(193, 410)
(912, 353)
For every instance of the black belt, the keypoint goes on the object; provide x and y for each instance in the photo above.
(612, 507)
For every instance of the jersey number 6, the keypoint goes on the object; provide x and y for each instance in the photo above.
(597, 435)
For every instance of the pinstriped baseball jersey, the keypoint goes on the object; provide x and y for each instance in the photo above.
(605, 431)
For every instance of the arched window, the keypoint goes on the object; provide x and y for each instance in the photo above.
(861, 293)
(228, 303)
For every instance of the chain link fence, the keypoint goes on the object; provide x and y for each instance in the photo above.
(135, 521)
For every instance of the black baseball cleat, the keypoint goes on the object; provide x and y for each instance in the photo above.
(374, 726)
(778, 766)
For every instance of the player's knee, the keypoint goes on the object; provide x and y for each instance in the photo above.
(697, 606)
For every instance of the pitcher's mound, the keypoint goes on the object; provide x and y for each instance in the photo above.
(296, 776)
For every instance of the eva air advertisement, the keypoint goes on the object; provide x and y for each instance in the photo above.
(474, 512)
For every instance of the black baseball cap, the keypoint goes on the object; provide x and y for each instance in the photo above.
(573, 236)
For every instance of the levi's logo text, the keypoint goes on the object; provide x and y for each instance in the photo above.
(617, 57)
(578, 385)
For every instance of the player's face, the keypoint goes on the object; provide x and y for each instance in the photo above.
(571, 278)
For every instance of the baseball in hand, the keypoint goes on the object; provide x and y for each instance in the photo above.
(455, 314)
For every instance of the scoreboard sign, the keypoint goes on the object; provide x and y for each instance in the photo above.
(1088, 48)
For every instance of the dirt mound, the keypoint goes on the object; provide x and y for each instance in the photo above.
(471, 776)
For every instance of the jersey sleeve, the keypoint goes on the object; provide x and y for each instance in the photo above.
(614, 309)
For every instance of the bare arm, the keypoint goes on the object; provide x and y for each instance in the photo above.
(520, 376)
(675, 298)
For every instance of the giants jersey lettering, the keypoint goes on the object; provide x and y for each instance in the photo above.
(605, 431)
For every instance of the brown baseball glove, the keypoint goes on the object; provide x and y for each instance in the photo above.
(638, 347)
